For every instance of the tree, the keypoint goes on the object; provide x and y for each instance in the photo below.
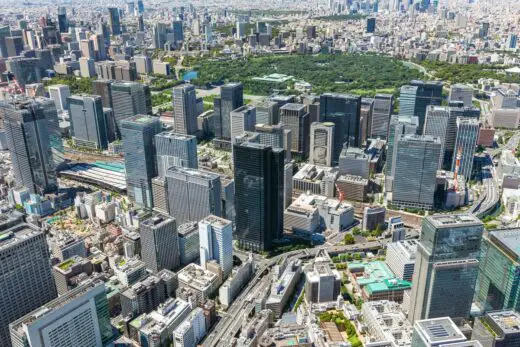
(349, 239)
(356, 231)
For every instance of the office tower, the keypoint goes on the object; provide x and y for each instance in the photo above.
(129, 99)
(436, 125)
(241, 30)
(78, 318)
(242, 119)
(400, 258)
(267, 113)
(175, 150)
(59, 93)
(446, 267)
(208, 33)
(159, 243)
(462, 92)
(297, 120)
(5, 31)
(130, 8)
(87, 121)
(511, 41)
(87, 67)
(185, 109)
(371, 25)
(373, 218)
(87, 49)
(437, 332)
(382, 110)
(398, 126)
(119, 70)
(189, 244)
(140, 6)
(499, 271)
(344, 111)
(103, 88)
(365, 119)
(416, 165)
(63, 23)
(138, 134)
(465, 144)
(322, 143)
(275, 136)
(30, 142)
(484, 30)
(407, 101)
(231, 98)
(259, 182)
(216, 242)
(14, 45)
(192, 194)
(178, 33)
(354, 161)
(113, 21)
(322, 281)
(26, 282)
(428, 93)
(497, 329)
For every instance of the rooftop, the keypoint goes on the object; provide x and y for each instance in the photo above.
(216, 221)
(439, 330)
(372, 272)
(451, 220)
(197, 277)
(293, 107)
(17, 234)
(173, 135)
(507, 321)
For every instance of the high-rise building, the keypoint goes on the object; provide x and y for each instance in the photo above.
(119, 70)
(242, 119)
(371, 25)
(446, 267)
(462, 92)
(59, 93)
(87, 49)
(267, 113)
(466, 144)
(114, 21)
(159, 243)
(175, 150)
(437, 332)
(129, 99)
(344, 111)
(400, 258)
(322, 281)
(499, 271)
(297, 120)
(63, 23)
(259, 182)
(5, 31)
(407, 101)
(231, 98)
(103, 88)
(382, 110)
(416, 164)
(80, 317)
(14, 45)
(193, 194)
(322, 143)
(87, 121)
(216, 242)
(30, 140)
(497, 329)
(185, 109)
(436, 125)
(26, 282)
(428, 93)
(241, 30)
(365, 119)
(138, 133)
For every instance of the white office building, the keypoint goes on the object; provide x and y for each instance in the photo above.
(400, 258)
(191, 331)
(216, 242)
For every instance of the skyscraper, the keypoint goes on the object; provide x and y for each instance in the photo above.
(63, 23)
(129, 99)
(80, 317)
(87, 121)
(462, 92)
(103, 88)
(242, 119)
(175, 150)
(178, 32)
(371, 25)
(383, 107)
(159, 243)
(113, 20)
(30, 142)
(436, 125)
(407, 100)
(344, 111)
(193, 194)
(499, 271)
(297, 120)
(231, 98)
(267, 113)
(138, 133)
(259, 182)
(322, 143)
(466, 143)
(26, 282)
(5, 31)
(185, 109)
(416, 165)
(428, 93)
(446, 267)
(216, 242)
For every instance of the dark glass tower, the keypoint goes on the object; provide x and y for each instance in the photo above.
(113, 20)
(138, 146)
(258, 194)
(231, 98)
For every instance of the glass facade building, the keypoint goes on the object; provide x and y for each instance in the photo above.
(446, 267)
(259, 182)
(87, 121)
(231, 98)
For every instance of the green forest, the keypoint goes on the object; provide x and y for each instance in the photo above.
(77, 85)
(365, 74)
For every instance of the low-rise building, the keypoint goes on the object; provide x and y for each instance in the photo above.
(316, 179)
(322, 280)
(69, 273)
(283, 287)
(195, 279)
(499, 328)
(129, 271)
(235, 282)
(386, 323)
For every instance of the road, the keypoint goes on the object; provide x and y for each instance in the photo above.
(230, 323)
